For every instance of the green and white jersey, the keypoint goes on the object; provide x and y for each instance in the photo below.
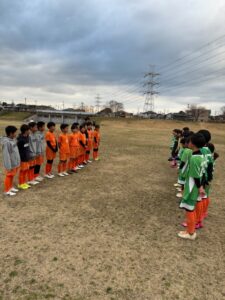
(208, 158)
(196, 171)
(185, 158)
(173, 139)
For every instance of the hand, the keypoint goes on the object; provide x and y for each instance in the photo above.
(201, 192)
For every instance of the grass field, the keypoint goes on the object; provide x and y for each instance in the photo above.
(110, 232)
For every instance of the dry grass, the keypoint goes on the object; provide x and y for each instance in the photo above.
(110, 231)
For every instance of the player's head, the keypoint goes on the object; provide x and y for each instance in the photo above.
(41, 126)
(82, 128)
(75, 127)
(206, 134)
(64, 128)
(24, 129)
(211, 147)
(33, 126)
(182, 142)
(197, 141)
(11, 131)
(51, 126)
(97, 127)
(89, 125)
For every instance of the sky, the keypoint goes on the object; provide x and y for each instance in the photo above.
(68, 51)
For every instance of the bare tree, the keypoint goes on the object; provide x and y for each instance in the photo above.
(115, 106)
(196, 111)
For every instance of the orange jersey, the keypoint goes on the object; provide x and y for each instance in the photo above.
(74, 144)
(96, 137)
(50, 137)
(90, 139)
(82, 143)
(63, 141)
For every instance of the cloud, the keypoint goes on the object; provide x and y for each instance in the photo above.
(70, 50)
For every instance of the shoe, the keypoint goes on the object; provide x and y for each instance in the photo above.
(85, 162)
(61, 175)
(89, 161)
(33, 182)
(81, 166)
(39, 178)
(176, 185)
(49, 176)
(97, 159)
(9, 194)
(77, 168)
(187, 236)
(184, 224)
(70, 172)
(74, 171)
(199, 225)
(27, 185)
(14, 190)
(179, 189)
(22, 187)
(179, 195)
(65, 173)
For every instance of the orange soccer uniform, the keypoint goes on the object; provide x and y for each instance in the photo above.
(64, 151)
(74, 149)
(82, 147)
(51, 150)
(89, 144)
(96, 142)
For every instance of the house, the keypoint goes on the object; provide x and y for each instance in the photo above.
(123, 114)
(106, 112)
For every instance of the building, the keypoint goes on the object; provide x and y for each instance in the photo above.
(60, 116)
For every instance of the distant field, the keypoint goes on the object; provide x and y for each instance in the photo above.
(14, 116)
(110, 232)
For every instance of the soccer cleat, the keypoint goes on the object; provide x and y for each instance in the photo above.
(65, 173)
(39, 178)
(187, 236)
(74, 171)
(81, 166)
(33, 182)
(14, 190)
(22, 187)
(27, 185)
(78, 168)
(176, 185)
(179, 195)
(89, 161)
(49, 176)
(9, 194)
(61, 175)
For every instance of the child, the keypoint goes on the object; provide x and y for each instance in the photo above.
(74, 148)
(23, 146)
(193, 185)
(40, 150)
(96, 136)
(64, 150)
(11, 159)
(175, 148)
(33, 152)
(89, 141)
(51, 149)
(83, 146)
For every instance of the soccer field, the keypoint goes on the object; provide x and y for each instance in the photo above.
(110, 232)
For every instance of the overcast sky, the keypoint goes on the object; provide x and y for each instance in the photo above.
(68, 50)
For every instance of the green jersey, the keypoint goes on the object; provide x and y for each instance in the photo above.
(191, 191)
(208, 158)
(185, 161)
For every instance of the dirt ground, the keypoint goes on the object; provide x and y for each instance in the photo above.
(110, 232)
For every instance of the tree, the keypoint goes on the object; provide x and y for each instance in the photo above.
(196, 111)
(115, 106)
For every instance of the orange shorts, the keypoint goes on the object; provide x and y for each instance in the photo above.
(39, 160)
(24, 166)
(50, 155)
(11, 172)
(64, 156)
(32, 162)
(74, 152)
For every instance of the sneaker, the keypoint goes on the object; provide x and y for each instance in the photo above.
(176, 185)
(199, 225)
(39, 178)
(97, 159)
(89, 161)
(9, 194)
(61, 175)
(27, 185)
(22, 187)
(70, 172)
(65, 173)
(74, 171)
(14, 190)
(187, 236)
(179, 195)
(81, 166)
(33, 182)
(49, 176)
(78, 168)
(179, 189)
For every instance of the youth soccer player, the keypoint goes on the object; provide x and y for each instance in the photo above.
(74, 148)
(82, 146)
(89, 142)
(40, 150)
(51, 149)
(193, 188)
(11, 159)
(64, 150)
(96, 137)
(33, 152)
(23, 146)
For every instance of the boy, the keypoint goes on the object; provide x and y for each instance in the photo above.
(89, 141)
(23, 146)
(193, 185)
(51, 149)
(40, 150)
(33, 152)
(11, 159)
(64, 150)
(74, 148)
(175, 148)
(83, 146)
(96, 136)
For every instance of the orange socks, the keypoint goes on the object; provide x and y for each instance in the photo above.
(191, 221)
(22, 176)
(8, 183)
(31, 174)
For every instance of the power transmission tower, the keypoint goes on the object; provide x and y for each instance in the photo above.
(150, 91)
(98, 102)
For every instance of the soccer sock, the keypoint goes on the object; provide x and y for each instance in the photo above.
(59, 167)
(21, 177)
(64, 165)
(199, 212)
(31, 174)
(191, 221)
(8, 183)
(37, 170)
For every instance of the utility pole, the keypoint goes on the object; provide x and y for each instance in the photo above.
(150, 91)
(98, 102)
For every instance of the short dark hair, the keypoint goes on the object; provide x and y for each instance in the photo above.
(10, 129)
(40, 124)
(97, 126)
(211, 147)
(198, 140)
(186, 129)
(24, 128)
(63, 126)
(183, 141)
(74, 126)
(206, 134)
(50, 124)
(82, 126)
(89, 123)
(32, 124)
